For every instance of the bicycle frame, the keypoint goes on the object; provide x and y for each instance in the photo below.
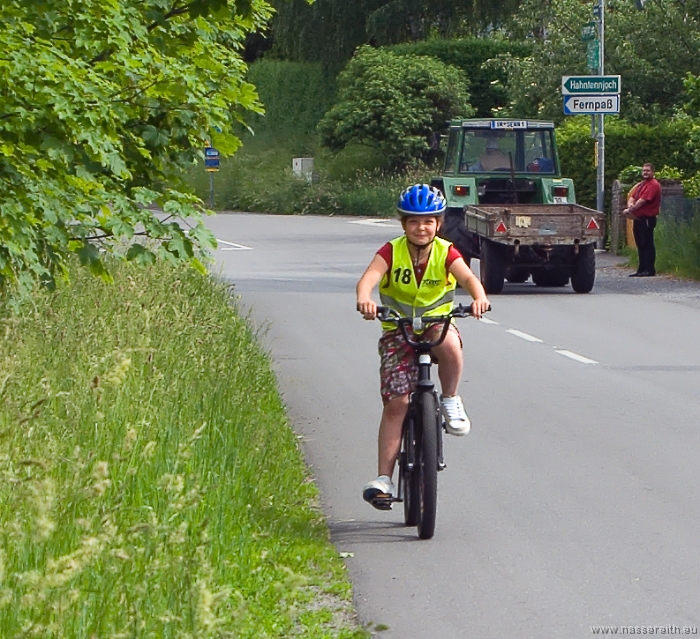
(423, 355)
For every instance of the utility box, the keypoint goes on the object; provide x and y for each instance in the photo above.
(303, 168)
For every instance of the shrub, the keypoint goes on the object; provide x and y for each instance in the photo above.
(394, 103)
(691, 186)
(471, 55)
(633, 174)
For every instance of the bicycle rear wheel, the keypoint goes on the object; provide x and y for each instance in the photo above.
(409, 478)
(427, 465)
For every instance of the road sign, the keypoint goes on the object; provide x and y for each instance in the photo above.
(590, 84)
(591, 104)
(211, 159)
(593, 55)
(589, 31)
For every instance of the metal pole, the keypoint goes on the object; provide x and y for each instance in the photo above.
(600, 175)
(211, 190)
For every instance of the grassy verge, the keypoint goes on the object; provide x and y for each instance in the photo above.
(150, 485)
(678, 247)
(259, 179)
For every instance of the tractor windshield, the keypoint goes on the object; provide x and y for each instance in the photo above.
(488, 151)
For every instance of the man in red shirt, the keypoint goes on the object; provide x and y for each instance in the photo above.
(643, 207)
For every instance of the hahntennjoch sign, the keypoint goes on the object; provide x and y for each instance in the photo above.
(590, 84)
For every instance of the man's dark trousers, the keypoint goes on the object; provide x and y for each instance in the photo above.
(643, 229)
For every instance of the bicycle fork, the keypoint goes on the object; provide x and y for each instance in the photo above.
(427, 385)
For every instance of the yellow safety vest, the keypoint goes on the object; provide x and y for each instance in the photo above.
(399, 290)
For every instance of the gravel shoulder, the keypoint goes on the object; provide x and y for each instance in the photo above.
(612, 276)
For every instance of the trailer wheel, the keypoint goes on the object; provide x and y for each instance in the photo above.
(583, 270)
(492, 267)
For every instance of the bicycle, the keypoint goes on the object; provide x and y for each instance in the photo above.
(421, 455)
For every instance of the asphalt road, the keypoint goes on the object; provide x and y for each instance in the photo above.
(574, 502)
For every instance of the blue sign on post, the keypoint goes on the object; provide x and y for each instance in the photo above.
(211, 159)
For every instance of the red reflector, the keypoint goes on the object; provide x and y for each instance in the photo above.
(460, 190)
(560, 191)
(592, 225)
(501, 228)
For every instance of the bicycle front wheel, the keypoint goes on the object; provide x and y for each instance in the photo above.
(409, 478)
(427, 465)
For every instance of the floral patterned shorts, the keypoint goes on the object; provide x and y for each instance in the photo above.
(398, 372)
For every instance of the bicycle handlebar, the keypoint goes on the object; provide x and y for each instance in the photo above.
(386, 314)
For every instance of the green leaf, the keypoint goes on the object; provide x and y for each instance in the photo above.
(89, 254)
(140, 254)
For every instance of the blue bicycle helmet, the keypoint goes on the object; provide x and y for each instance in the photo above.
(421, 199)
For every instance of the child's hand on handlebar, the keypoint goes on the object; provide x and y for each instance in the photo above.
(479, 306)
(367, 308)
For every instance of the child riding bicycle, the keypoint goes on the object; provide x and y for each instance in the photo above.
(417, 274)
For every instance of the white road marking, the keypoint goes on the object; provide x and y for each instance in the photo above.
(525, 336)
(233, 247)
(486, 320)
(577, 357)
(381, 223)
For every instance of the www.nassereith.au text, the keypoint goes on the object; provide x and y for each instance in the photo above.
(645, 630)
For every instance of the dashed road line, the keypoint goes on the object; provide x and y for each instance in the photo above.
(576, 356)
(526, 336)
(232, 246)
(486, 320)
(531, 338)
(380, 223)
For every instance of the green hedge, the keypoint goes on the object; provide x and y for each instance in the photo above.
(625, 144)
(295, 95)
(469, 54)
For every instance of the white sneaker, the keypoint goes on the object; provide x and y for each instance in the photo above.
(456, 420)
(379, 492)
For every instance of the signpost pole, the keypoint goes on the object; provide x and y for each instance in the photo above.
(211, 165)
(600, 174)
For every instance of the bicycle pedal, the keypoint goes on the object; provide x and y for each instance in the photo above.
(382, 502)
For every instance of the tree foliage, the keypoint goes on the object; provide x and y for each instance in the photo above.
(651, 49)
(103, 103)
(329, 31)
(473, 56)
(394, 103)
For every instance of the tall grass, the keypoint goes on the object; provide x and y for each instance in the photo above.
(150, 485)
(259, 179)
(678, 247)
